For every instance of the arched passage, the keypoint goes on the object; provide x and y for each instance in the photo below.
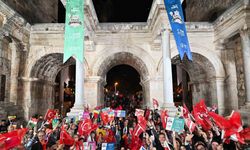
(123, 87)
(202, 82)
(123, 58)
(202, 77)
(44, 86)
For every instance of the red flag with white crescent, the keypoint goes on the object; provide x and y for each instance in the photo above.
(164, 116)
(86, 126)
(190, 124)
(51, 113)
(65, 138)
(185, 111)
(140, 127)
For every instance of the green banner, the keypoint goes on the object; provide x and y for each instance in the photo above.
(74, 30)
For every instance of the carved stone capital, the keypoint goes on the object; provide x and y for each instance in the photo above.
(244, 31)
(220, 44)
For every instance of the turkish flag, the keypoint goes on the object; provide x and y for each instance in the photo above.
(51, 113)
(105, 117)
(140, 127)
(86, 126)
(235, 121)
(190, 124)
(136, 143)
(200, 113)
(245, 133)
(65, 138)
(220, 121)
(12, 139)
(155, 103)
(164, 117)
(199, 119)
(185, 111)
(237, 138)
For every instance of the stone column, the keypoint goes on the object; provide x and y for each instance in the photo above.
(167, 73)
(94, 87)
(220, 95)
(24, 93)
(15, 60)
(245, 41)
(79, 90)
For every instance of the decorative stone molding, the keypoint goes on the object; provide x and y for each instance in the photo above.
(122, 27)
(244, 32)
(231, 20)
(89, 45)
(43, 28)
(2, 19)
(95, 79)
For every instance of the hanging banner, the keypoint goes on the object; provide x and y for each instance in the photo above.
(176, 20)
(74, 30)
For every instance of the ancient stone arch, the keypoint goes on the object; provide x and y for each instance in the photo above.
(42, 77)
(201, 73)
(123, 58)
(206, 73)
(135, 51)
(48, 65)
(105, 64)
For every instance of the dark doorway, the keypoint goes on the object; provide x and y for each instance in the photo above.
(181, 87)
(2, 90)
(123, 87)
(65, 89)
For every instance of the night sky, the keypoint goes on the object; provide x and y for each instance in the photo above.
(127, 77)
(122, 10)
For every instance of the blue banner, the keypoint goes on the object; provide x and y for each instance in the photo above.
(108, 146)
(120, 113)
(176, 20)
(111, 146)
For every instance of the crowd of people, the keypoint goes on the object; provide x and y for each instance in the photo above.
(134, 131)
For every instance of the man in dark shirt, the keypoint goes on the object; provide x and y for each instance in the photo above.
(40, 143)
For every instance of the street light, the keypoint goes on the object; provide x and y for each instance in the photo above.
(116, 83)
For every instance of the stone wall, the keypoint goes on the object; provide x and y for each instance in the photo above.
(240, 72)
(206, 10)
(5, 65)
(36, 11)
